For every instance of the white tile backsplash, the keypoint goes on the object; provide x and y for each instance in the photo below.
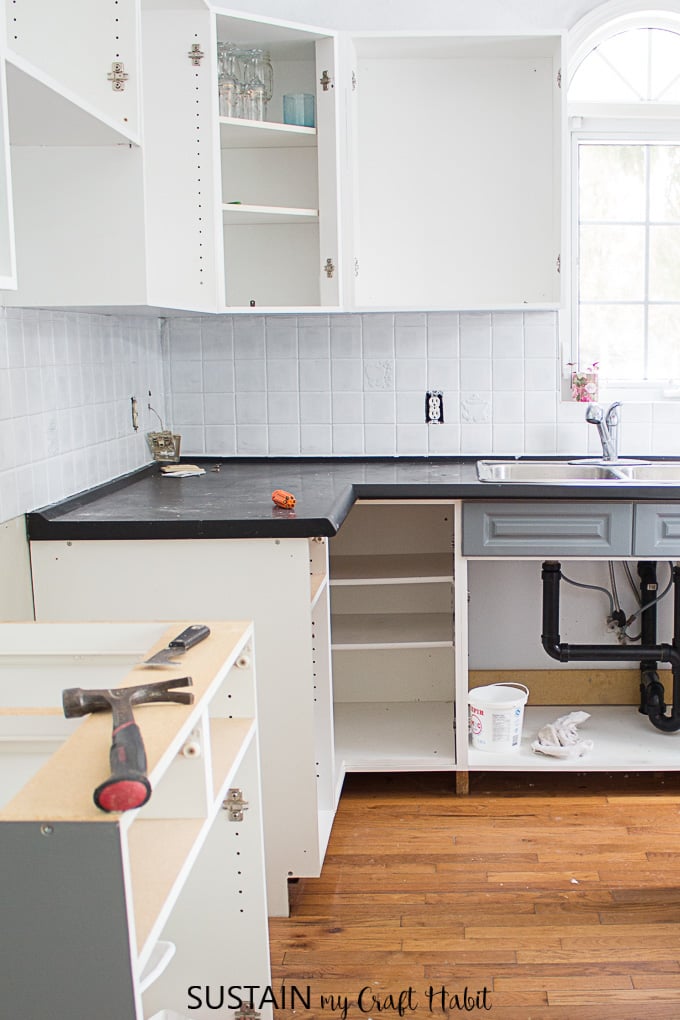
(66, 382)
(290, 385)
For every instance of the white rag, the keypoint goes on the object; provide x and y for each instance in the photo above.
(561, 738)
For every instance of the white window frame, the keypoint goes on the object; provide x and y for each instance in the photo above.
(613, 122)
(604, 130)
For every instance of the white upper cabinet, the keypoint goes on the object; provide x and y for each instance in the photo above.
(279, 181)
(456, 184)
(86, 52)
(7, 249)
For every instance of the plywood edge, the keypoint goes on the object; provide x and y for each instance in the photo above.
(571, 686)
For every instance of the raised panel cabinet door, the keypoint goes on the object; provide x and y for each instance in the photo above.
(547, 529)
(657, 530)
(87, 50)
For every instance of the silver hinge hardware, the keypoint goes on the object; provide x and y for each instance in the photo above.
(329, 268)
(195, 54)
(354, 81)
(246, 1012)
(234, 804)
(118, 76)
(356, 267)
(325, 81)
(559, 263)
(559, 78)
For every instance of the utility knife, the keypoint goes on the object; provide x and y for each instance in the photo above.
(180, 644)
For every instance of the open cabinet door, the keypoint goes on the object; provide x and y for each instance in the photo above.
(8, 276)
(327, 92)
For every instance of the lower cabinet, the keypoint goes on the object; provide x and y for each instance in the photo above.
(392, 625)
(282, 586)
(129, 915)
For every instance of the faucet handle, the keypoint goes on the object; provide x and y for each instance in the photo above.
(594, 414)
(612, 417)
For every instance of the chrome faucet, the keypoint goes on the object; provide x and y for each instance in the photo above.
(607, 423)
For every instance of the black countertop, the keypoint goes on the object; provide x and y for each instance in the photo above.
(233, 498)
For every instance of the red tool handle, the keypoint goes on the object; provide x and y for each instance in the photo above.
(127, 787)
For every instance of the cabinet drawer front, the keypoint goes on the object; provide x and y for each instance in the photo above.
(547, 529)
(657, 530)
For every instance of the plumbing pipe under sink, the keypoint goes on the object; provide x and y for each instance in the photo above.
(648, 653)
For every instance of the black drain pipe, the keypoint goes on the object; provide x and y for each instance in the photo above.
(550, 638)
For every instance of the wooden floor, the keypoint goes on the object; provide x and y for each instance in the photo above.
(535, 896)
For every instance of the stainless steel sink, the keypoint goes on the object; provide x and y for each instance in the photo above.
(561, 472)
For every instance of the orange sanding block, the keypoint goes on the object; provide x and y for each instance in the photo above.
(283, 498)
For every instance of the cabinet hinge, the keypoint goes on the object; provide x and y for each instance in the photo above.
(329, 268)
(356, 267)
(234, 804)
(325, 81)
(246, 1012)
(195, 54)
(559, 264)
(355, 81)
(558, 78)
(118, 76)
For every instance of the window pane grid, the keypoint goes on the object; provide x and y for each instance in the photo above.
(628, 258)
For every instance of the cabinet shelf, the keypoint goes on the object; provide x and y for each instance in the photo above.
(623, 740)
(394, 736)
(404, 568)
(252, 215)
(228, 740)
(352, 631)
(237, 133)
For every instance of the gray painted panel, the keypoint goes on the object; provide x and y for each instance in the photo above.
(547, 529)
(657, 530)
(63, 939)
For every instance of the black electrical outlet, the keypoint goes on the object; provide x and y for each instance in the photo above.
(434, 407)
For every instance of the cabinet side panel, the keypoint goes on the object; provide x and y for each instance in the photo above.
(265, 580)
(180, 161)
(16, 598)
(7, 252)
(74, 44)
(63, 939)
(79, 249)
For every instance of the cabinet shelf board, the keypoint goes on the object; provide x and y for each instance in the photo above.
(392, 569)
(623, 739)
(251, 215)
(394, 736)
(162, 852)
(236, 133)
(41, 114)
(229, 739)
(316, 583)
(353, 631)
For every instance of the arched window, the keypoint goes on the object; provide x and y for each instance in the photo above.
(624, 114)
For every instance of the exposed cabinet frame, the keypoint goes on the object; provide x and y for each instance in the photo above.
(133, 907)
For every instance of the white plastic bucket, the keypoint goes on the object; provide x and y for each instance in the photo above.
(496, 714)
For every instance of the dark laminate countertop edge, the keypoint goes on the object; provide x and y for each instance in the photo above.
(234, 498)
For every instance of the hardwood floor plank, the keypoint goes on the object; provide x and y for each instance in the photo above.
(558, 894)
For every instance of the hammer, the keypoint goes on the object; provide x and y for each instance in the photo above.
(127, 787)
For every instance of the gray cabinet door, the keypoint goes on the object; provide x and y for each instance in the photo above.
(547, 529)
(657, 530)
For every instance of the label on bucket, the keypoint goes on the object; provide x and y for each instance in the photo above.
(495, 724)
